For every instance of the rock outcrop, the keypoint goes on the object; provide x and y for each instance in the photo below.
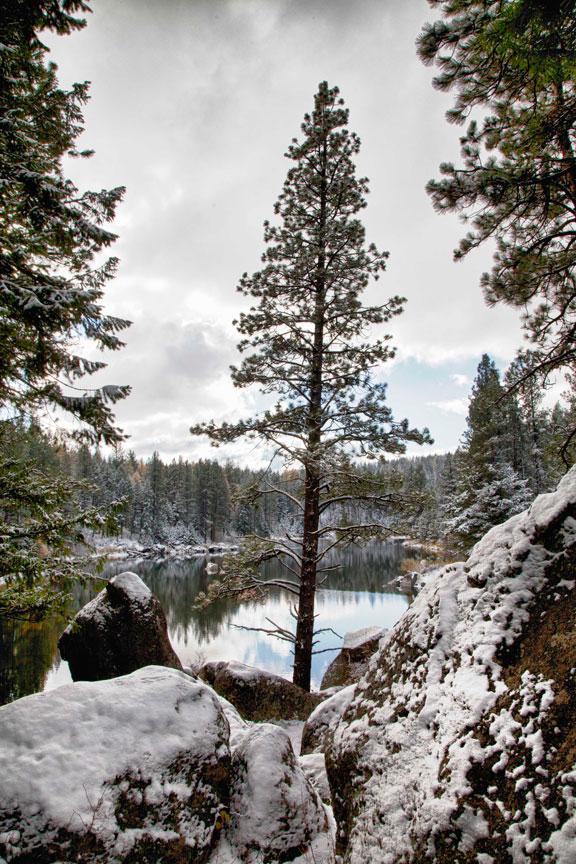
(460, 744)
(122, 629)
(133, 769)
(352, 662)
(259, 695)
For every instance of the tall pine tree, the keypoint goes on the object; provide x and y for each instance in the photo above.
(307, 338)
(515, 62)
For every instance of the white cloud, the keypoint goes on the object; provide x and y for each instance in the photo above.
(451, 406)
(459, 379)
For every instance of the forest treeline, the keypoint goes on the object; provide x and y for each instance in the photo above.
(510, 452)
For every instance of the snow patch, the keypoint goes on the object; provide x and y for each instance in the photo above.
(132, 586)
(357, 638)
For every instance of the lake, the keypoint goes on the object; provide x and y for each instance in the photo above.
(355, 596)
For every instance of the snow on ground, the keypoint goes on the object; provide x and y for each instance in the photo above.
(293, 729)
(120, 548)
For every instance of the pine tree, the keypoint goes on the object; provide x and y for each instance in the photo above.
(212, 496)
(50, 298)
(558, 438)
(487, 485)
(487, 439)
(533, 420)
(515, 61)
(39, 520)
(308, 339)
(50, 289)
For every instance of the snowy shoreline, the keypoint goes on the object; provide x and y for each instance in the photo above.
(124, 549)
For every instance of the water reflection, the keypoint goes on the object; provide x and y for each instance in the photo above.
(352, 597)
(29, 656)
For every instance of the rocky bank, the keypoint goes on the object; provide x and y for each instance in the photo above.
(151, 767)
(457, 745)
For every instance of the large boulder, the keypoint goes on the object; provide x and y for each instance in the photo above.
(259, 695)
(133, 769)
(277, 815)
(320, 725)
(120, 630)
(352, 662)
(460, 744)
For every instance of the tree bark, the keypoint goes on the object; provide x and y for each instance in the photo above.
(303, 645)
(305, 623)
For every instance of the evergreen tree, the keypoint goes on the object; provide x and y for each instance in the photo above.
(212, 495)
(515, 61)
(488, 486)
(559, 445)
(39, 520)
(479, 503)
(307, 335)
(50, 297)
(50, 290)
(157, 499)
(532, 420)
(487, 439)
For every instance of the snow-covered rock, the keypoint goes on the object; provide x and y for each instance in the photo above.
(238, 727)
(460, 743)
(322, 722)
(120, 630)
(352, 661)
(277, 815)
(131, 769)
(259, 695)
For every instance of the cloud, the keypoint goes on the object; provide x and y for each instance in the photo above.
(193, 106)
(459, 379)
(451, 406)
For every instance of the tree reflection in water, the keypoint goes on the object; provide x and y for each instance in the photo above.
(352, 597)
(28, 649)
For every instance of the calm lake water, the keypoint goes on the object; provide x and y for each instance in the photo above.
(355, 596)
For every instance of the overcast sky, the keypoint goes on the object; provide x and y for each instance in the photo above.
(193, 105)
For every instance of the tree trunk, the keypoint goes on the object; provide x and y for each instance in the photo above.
(305, 624)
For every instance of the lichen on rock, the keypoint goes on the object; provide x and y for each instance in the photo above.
(259, 695)
(352, 661)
